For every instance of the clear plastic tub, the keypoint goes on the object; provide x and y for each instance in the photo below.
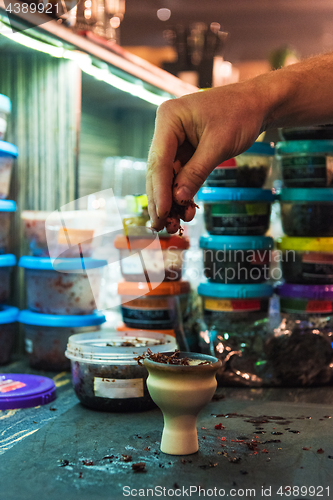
(300, 352)
(67, 290)
(236, 322)
(5, 109)
(7, 262)
(8, 153)
(306, 260)
(8, 328)
(236, 211)
(152, 310)
(237, 259)
(250, 169)
(46, 337)
(306, 163)
(106, 375)
(307, 212)
(159, 259)
(7, 207)
(44, 232)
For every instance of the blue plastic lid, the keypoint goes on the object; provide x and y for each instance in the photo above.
(5, 104)
(8, 314)
(236, 242)
(260, 148)
(236, 194)
(7, 260)
(32, 318)
(306, 194)
(7, 206)
(19, 390)
(8, 149)
(70, 264)
(221, 291)
(288, 147)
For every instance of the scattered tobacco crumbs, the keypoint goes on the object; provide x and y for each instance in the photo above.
(87, 462)
(34, 422)
(127, 458)
(219, 426)
(139, 467)
(208, 466)
(147, 448)
(305, 448)
(80, 475)
(320, 451)
(52, 409)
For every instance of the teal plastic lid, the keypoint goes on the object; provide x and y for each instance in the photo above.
(6, 148)
(7, 206)
(8, 314)
(235, 194)
(289, 147)
(306, 194)
(222, 291)
(5, 104)
(7, 260)
(236, 242)
(70, 264)
(260, 148)
(32, 318)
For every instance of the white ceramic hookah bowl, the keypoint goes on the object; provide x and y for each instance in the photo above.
(181, 391)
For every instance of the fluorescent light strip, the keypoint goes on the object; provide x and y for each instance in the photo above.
(85, 64)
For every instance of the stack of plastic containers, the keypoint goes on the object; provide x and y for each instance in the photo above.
(237, 256)
(61, 300)
(8, 315)
(301, 351)
(153, 295)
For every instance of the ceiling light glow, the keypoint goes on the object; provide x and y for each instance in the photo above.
(164, 14)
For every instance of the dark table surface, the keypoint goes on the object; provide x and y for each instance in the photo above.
(273, 440)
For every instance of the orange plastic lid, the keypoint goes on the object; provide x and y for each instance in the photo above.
(123, 243)
(153, 289)
(123, 328)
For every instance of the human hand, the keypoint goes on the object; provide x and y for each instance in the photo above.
(193, 134)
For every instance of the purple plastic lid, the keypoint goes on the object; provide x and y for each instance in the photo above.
(18, 390)
(318, 292)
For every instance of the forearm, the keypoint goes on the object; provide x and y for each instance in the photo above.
(300, 94)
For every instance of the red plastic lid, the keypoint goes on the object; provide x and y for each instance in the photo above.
(123, 328)
(153, 289)
(132, 243)
(227, 163)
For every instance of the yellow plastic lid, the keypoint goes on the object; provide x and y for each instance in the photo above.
(301, 244)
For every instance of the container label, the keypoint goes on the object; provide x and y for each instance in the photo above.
(112, 388)
(232, 305)
(317, 265)
(314, 170)
(29, 347)
(9, 385)
(291, 305)
(132, 264)
(238, 218)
